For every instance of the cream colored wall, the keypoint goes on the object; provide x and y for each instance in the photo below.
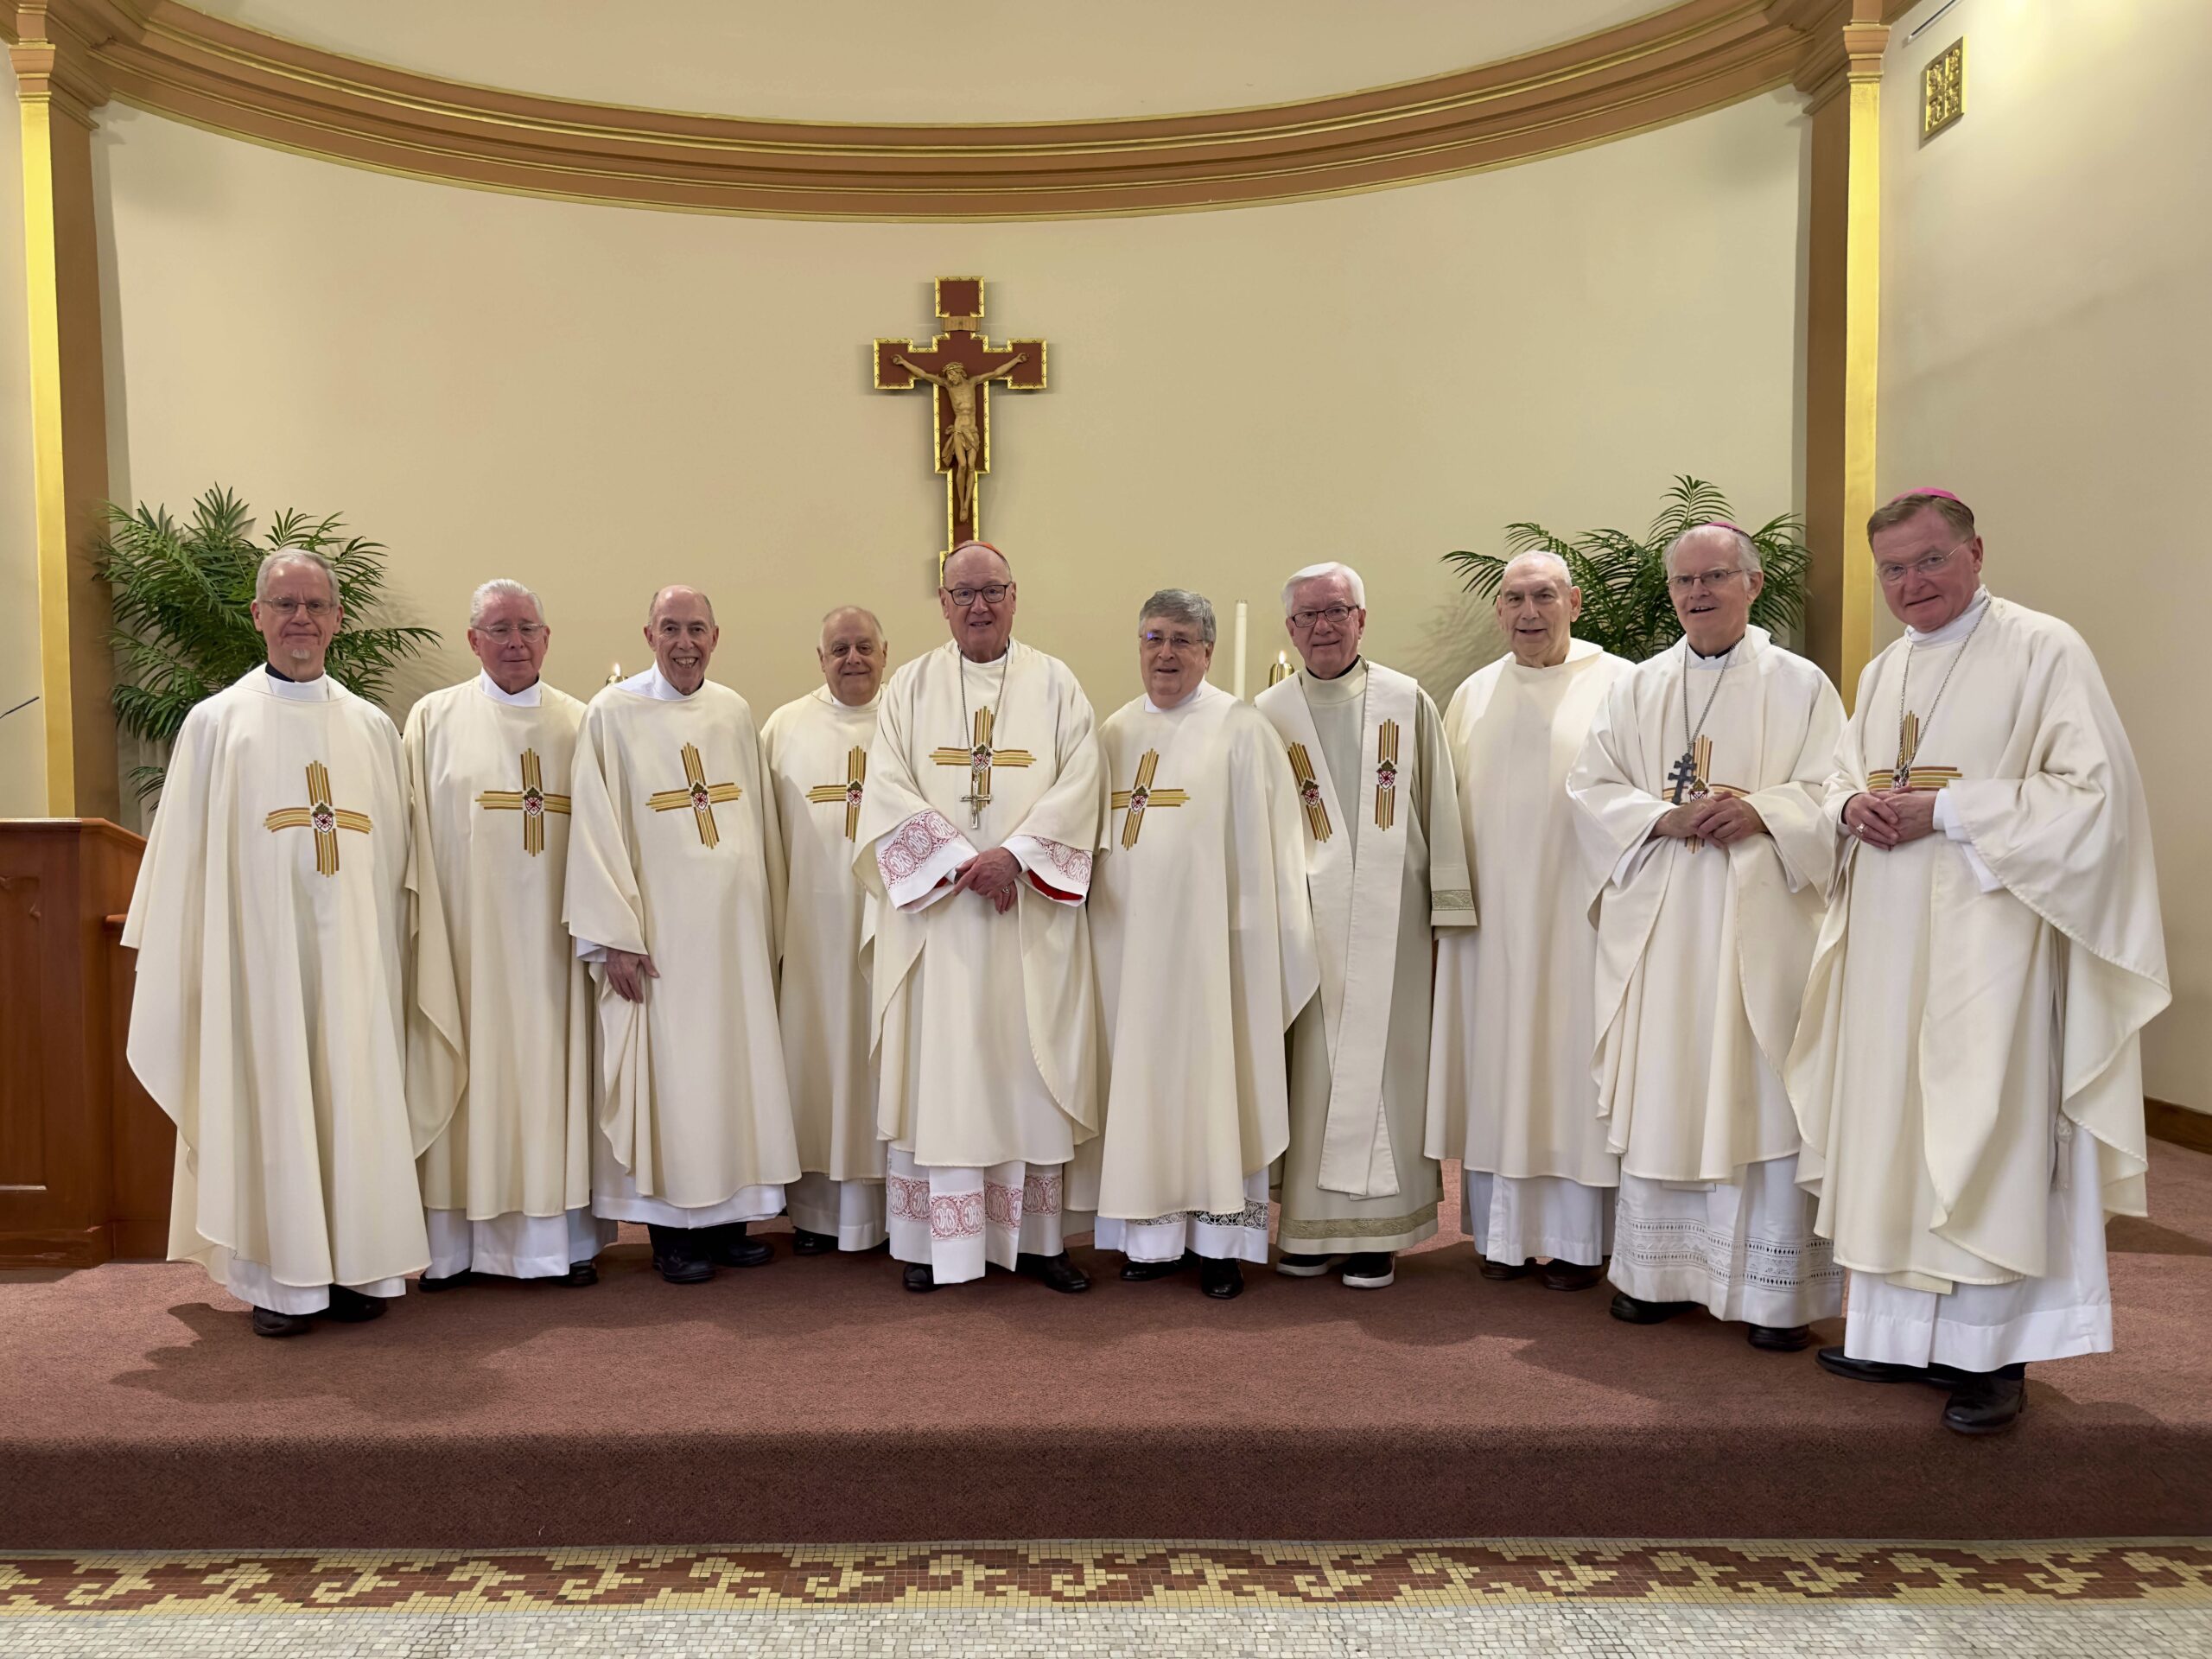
(598, 401)
(2047, 353)
(22, 745)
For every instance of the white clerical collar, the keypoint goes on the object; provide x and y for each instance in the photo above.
(1578, 652)
(653, 685)
(317, 690)
(836, 705)
(997, 664)
(1188, 703)
(1345, 686)
(528, 697)
(1957, 628)
(1751, 636)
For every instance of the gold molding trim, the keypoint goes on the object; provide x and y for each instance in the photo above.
(1682, 61)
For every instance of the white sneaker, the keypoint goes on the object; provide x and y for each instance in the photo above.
(1295, 1266)
(1374, 1271)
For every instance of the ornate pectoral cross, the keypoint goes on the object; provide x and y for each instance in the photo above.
(1688, 774)
(697, 794)
(979, 759)
(1141, 797)
(849, 791)
(319, 815)
(531, 800)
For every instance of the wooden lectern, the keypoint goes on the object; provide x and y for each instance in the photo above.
(84, 1153)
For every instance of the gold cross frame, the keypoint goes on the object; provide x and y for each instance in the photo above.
(319, 815)
(848, 792)
(1141, 796)
(979, 760)
(697, 794)
(531, 800)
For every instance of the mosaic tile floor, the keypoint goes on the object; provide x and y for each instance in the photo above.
(2146, 1600)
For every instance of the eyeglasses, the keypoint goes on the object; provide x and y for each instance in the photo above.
(1153, 641)
(1690, 581)
(317, 608)
(1335, 615)
(500, 633)
(993, 595)
(1932, 564)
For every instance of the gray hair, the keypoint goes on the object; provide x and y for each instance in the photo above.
(292, 555)
(1181, 605)
(1315, 572)
(1746, 550)
(1565, 576)
(499, 587)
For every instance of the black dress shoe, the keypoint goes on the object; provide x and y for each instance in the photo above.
(806, 1244)
(1138, 1272)
(1569, 1275)
(433, 1286)
(1839, 1363)
(1636, 1311)
(920, 1276)
(351, 1307)
(1503, 1270)
(730, 1247)
(1054, 1271)
(579, 1272)
(267, 1322)
(1296, 1266)
(1778, 1339)
(680, 1254)
(1220, 1279)
(1987, 1402)
(1371, 1270)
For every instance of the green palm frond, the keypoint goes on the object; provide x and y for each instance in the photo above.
(1625, 607)
(179, 593)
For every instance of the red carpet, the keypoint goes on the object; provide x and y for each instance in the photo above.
(815, 1401)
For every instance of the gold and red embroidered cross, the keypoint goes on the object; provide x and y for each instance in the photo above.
(319, 815)
(531, 800)
(849, 791)
(1141, 797)
(1386, 774)
(1913, 777)
(1309, 792)
(697, 794)
(979, 760)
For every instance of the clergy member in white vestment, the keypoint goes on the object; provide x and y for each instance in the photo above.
(984, 811)
(499, 1030)
(1206, 955)
(1510, 1094)
(676, 885)
(1969, 1069)
(1387, 868)
(1697, 800)
(269, 920)
(814, 750)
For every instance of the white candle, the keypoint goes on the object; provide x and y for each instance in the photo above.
(1240, 647)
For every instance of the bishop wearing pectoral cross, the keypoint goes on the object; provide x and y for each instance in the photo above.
(1707, 860)
(271, 922)
(984, 809)
(500, 1026)
(675, 889)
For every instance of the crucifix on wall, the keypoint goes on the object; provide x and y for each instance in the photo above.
(958, 366)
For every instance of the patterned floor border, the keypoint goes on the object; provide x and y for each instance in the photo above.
(1120, 1575)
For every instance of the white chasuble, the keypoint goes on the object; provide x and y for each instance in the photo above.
(1702, 954)
(1386, 862)
(1206, 949)
(674, 854)
(1510, 1092)
(1968, 1071)
(499, 1024)
(816, 752)
(269, 920)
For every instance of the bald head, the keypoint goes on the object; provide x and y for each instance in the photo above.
(682, 597)
(977, 595)
(1537, 603)
(680, 629)
(1713, 576)
(975, 563)
(853, 655)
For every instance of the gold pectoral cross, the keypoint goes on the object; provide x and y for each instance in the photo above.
(1141, 797)
(697, 794)
(849, 791)
(979, 760)
(1386, 774)
(1309, 792)
(319, 815)
(531, 800)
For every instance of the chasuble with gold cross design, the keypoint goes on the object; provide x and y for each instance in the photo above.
(269, 922)
(499, 1027)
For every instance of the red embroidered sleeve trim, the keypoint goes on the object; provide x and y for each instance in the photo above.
(1069, 861)
(911, 845)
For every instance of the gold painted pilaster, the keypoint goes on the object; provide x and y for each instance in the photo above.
(1841, 77)
(58, 88)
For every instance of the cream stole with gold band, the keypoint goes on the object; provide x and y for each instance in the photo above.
(1355, 905)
